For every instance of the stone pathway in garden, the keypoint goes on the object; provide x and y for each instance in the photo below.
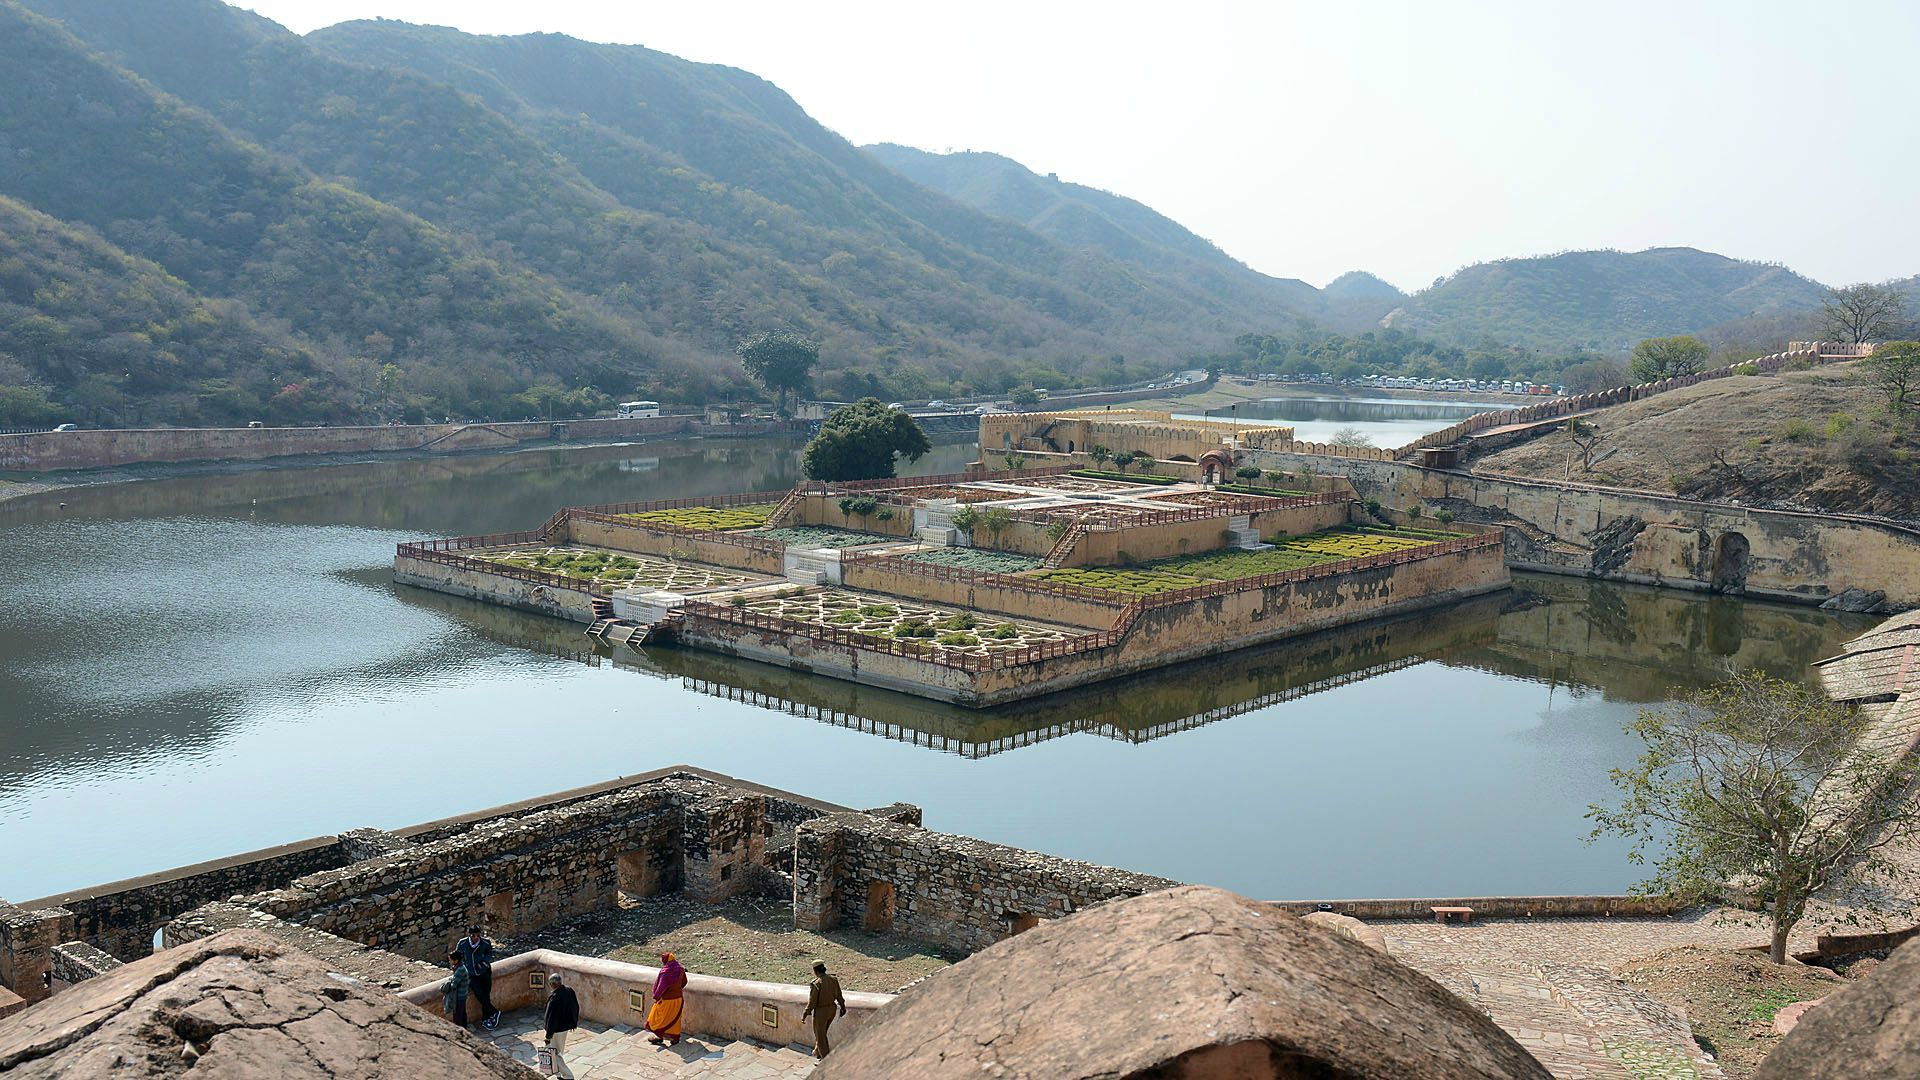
(618, 1052)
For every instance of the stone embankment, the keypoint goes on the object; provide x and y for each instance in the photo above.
(51, 451)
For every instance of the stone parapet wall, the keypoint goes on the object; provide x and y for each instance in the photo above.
(120, 917)
(375, 967)
(613, 992)
(476, 582)
(510, 876)
(77, 961)
(1495, 907)
(952, 892)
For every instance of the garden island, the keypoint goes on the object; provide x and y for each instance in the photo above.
(1149, 547)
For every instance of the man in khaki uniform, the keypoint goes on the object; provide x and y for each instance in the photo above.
(822, 997)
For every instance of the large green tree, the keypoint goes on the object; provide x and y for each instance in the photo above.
(1758, 780)
(1668, 358)
(781, 361)
(861, 442)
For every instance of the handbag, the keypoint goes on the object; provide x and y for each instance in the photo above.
(543, 1060)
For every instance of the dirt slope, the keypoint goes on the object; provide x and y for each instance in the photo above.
(1813, 440)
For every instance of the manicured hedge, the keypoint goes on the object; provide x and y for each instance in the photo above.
(1125, 478)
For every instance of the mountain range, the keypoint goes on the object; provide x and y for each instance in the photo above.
(209, 218)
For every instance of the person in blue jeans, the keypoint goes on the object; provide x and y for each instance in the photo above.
(477, 953)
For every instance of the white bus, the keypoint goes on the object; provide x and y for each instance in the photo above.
(632, 409)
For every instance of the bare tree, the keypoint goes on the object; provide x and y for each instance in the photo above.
(1760, 779)
(1586, 440)
(1350, 436)
(1863, 312)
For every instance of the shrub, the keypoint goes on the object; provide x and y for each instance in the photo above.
(879, 611)
(885, 513)
(1247, 472)
(1838, 423)
(958, 639)
(1748, 368)
(1415, 511)
(859, 505)
(1444, 517)
(913, 629)
(962, 621)
(964, 518)
(1005, 631)
(1798, 430)
(1057, 528)
(737, 601)
(1373, 506)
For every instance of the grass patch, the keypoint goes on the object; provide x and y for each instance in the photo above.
(990, 562)
(1142, 582)
(823, 536)
(958, 639)
(1249, 489)
(1125, 478)
(709, 518)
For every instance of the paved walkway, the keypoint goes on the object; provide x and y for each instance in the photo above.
(619, 1052)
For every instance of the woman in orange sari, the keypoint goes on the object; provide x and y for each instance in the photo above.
(664, 1018)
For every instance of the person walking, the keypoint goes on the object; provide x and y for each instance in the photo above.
(563, 1015)
(822, 997)
(477, 951)
(453, 997)
(663, 1020)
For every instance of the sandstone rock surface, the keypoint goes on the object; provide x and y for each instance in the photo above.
(1869, 1028)
(238, 1004)
(1190, 983)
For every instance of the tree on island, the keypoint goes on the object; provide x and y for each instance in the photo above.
(1862, 312)
(860, 441)
(1668, 358)
(781, 361)
(1757, 780)
(1894, 368)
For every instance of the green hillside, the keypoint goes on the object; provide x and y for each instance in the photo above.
(1601, 300)
(83, 320)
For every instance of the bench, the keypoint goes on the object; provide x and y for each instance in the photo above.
(1442, 914)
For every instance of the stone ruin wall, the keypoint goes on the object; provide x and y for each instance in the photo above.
(953, 892)
(1652, 539)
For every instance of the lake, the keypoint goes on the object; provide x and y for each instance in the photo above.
(1385, 422)
(202, 665)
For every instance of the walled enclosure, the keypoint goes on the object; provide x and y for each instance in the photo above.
(1651, 539)
(1160, 633)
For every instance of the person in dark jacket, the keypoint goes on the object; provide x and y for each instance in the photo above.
(453, 997)
(563, 1015)
(477, 953)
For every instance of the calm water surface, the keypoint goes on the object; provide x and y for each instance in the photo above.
(197, 666)
(1384, 421)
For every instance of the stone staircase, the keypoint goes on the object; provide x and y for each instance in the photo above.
(1243, 535)
(743, 1060)
(1062, 548)
(785, 510)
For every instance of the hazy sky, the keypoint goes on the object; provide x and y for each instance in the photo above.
(1312, 138)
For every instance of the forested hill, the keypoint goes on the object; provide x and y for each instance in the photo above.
(1601, 300)
(213, 219)
(1087, 217)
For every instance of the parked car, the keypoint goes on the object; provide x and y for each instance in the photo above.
(255, 424)
(68, 427)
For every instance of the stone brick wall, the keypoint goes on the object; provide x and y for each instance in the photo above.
(121, 917)
(77, 961)
(953, 892)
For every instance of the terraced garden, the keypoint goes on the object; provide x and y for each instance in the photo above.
(1290, 553)
(885, 617)
(992, 562)
(709, 518)
(963, 493)
(613, 569)
(824, 536)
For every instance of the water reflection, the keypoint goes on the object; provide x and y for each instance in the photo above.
(1386, 421)
(227, 653)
